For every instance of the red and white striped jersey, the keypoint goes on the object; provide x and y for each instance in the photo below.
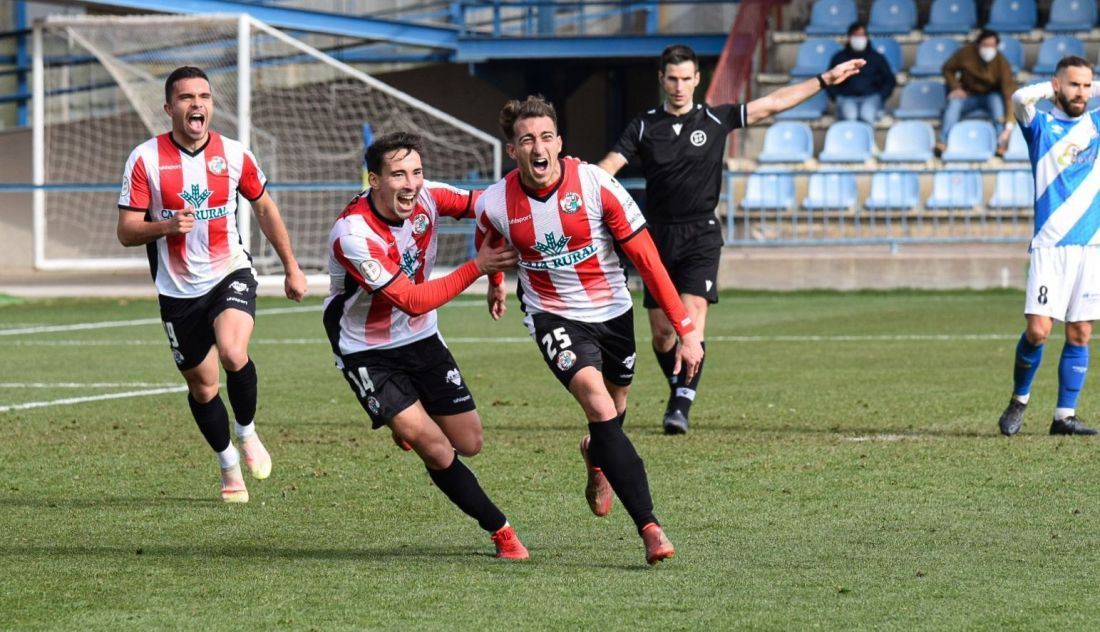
(162, 178)
(567, 260)
(367, 252)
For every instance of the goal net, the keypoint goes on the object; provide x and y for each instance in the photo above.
(99, 92)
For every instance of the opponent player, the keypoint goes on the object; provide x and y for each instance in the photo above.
(1063, 280)
(381, 321)
(179, 199)
(565, 218)
(681, 148)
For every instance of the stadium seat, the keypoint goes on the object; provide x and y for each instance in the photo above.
(970, 141)
(909, 141)
(931, 55)
(955, 189)
(1013, 51)
(809, 110)
(1017, 147)
(1012, 16)
(892, 17)
(894, 190)
(1071, 15)
(1013, 189)
(832, 17)
(848, 141)
(889, 48)
(956, 17)
(813, 57)
(1053, 49)
(921, 99)
(768, 190)
(830, 191)
(787, 142)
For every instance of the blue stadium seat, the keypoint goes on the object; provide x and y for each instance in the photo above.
(848, 141)
(787, 142)
(1053, 49)
(809, 110)
(931, 55)
(894, 190)
(970, 140)
(892, 17)
(1013, 51)
(889, 48)
(1017, 147)
(956, 17)
(1013, 189)
(921, 99)
(831, 190)
(813, 57)
(1093, 104)
(832, 17)
(909, 141)
(1071, 15)
(769, 190)
(955, 189)
(1012, 16)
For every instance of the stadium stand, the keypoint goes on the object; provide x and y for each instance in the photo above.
(921, 99)
(848, 141)
(894, 190)
(955, 189)
(1071, 16)
(1013, 189)
(954, 17)
(1012, 16)
(832, 17)
(889, 48)
(809, 110)
(931, 54)
(970, 141)
(1013, 51)
(1017, 147)
(909, 141)
(892, 17)
(787, 142)
(813, 57)
(831, 191)
(1053, 49)
(768, 190)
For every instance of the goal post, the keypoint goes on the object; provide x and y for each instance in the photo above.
(98, 91)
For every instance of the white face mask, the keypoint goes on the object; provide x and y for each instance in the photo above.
(987, 53)
(858, 43)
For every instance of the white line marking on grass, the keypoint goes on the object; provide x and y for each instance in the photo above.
(92, 398)
(107, 324)
(87, 384)
(884, 437)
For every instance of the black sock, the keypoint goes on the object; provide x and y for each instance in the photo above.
(241, 386)
(682, 400)
(213, 421)
(623, 468)
(666, 360)
(461, 486)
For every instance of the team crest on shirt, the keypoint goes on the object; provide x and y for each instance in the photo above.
(454, 377)
(371, 269)
(373, 405)
(420, 223)
(125, 186)
(216, 165)
(566, 360)
(698, 138)
(571, 203)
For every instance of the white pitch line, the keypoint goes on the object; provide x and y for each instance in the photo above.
(107, 324)
(92, 398)
(86, 384)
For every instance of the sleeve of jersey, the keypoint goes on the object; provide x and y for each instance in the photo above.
(643, 253)
(452, 201)
(620, 213)
(1024, 100)
(485, 230)
(733, 116)
(253, 181)
(416, 299)
(135, 185)
(366, 261)
(627, 146)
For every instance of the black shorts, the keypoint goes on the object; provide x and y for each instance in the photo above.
(189, 322)
(570, 345)
(387, 381)
(691, 252)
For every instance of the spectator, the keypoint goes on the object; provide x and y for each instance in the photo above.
(863, 95)
(979, 79)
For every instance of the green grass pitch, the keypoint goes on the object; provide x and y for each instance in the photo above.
(843, 471)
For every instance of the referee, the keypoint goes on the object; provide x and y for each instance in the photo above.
(680, 146)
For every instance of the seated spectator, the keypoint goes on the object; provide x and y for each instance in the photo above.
(862, 96)
(979, 80)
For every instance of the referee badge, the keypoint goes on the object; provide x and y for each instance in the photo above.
(571, 203)
(698, 138)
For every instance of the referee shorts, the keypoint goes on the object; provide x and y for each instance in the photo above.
(691, 252)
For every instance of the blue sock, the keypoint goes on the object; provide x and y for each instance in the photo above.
(1072, 369)
(1028, 357)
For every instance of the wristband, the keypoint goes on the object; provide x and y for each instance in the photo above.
(821, 82)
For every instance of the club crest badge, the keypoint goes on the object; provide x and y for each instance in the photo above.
(216, 165)
(373, 405)
(571, 203)
(420, 223)
(698, 138)
(566, 360)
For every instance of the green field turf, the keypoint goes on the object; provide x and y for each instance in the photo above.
(843, 471)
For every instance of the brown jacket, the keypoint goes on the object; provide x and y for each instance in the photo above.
(966, 70)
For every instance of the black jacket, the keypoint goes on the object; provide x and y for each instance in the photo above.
(876, 76)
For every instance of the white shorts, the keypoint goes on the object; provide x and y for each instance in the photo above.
(1064, 283)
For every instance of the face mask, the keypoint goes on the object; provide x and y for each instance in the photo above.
(987, 53)
(858, 43)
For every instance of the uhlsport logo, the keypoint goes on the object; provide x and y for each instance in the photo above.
(629, 361)
(566, 360)
(454, 377)
(238, 287)
(216, 165)
(177, 356)
(571, 203)
(698, 138)
(420, 223)
(373, 405)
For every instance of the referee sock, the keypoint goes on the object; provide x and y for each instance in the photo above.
(683, 395)
(1072, 369)
(461, 486)
(213, 421)
(624, 469)
(241, 387)
(1028, 357)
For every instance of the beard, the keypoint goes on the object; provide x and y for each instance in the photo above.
(1069, 107)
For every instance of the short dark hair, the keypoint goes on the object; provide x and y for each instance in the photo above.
(394, 141)
(678, 54)
(1072, 61)
(855, 26)
(183, 72)
(533, 106)
(987, 33)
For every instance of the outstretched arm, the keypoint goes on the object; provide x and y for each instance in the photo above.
(790, 96)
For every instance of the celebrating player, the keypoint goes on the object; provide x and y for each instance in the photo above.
(381, 321)
(680, 145)
(179, 199)
(565, 217)
(1062, 281)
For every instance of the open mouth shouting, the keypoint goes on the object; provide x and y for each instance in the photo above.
(540, 167)
(404, 202)
(196, 123)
